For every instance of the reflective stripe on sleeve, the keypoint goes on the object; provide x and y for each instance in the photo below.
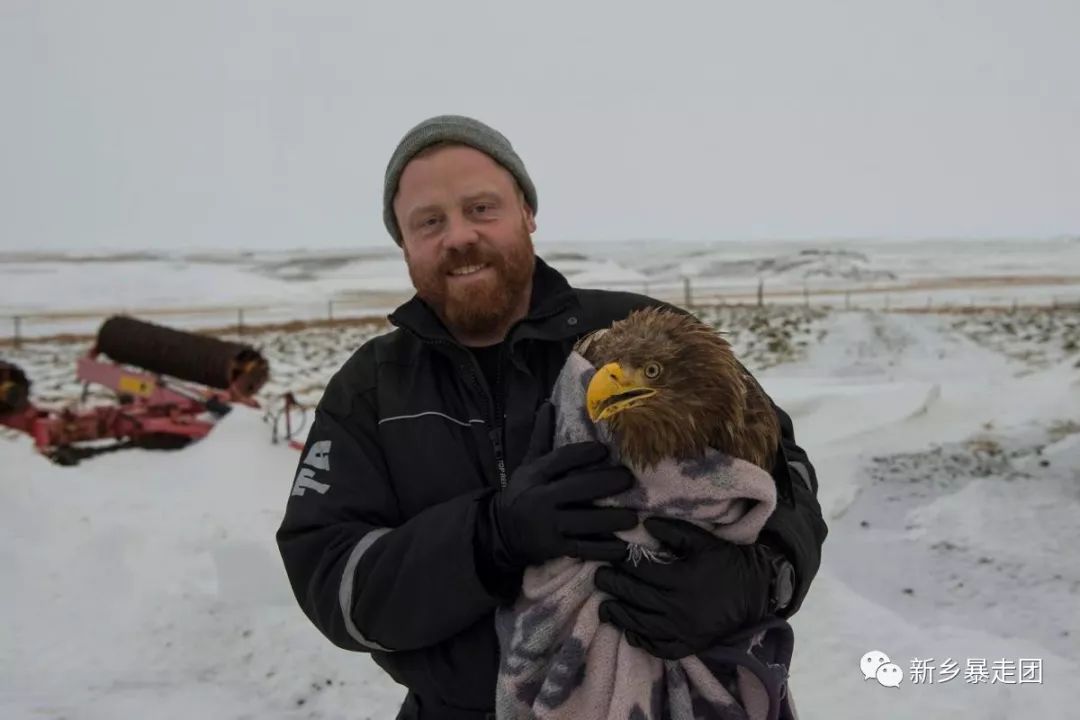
(803, 473)
(348, 581)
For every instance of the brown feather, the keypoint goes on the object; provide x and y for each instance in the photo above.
(704, 397)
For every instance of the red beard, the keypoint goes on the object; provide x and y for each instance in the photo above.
(482, 305)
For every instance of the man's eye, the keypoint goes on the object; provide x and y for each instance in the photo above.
(481, 208)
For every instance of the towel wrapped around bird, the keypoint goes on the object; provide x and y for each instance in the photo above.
(558, 661)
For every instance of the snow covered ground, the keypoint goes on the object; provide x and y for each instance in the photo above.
(147, 584)
(950, 477)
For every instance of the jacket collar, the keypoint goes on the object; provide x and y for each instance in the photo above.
(552, 308)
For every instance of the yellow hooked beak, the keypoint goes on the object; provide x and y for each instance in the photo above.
(611, 391)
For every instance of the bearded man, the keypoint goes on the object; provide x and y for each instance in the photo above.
(412, 514)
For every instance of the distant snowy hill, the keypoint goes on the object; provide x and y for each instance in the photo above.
(57, 292)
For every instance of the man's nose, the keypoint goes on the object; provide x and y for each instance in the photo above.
(460, 233)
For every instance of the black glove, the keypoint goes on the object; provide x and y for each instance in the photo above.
(672, 610)
(546, 510)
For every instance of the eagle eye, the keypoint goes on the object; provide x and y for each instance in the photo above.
(652, 370)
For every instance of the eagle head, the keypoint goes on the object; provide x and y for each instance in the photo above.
(669, 385)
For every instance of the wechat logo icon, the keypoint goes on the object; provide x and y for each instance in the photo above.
(876, 664)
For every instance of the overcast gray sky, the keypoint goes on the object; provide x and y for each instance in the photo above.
(210, 123)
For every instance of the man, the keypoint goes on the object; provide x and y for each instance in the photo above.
(412, 515)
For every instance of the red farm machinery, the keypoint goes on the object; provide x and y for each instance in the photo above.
(170, 387)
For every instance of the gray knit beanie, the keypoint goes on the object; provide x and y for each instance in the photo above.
(455, 129)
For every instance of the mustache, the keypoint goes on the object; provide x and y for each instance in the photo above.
(472, 256)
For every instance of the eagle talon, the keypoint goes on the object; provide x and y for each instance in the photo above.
(635, 553)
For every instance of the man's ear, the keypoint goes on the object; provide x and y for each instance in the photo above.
(530, 218)
(527, 213)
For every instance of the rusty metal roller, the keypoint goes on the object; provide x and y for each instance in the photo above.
(188, 356)
(14, 388)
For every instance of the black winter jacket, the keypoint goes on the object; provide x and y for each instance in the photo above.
(380, 531)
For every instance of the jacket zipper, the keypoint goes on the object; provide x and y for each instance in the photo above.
(497, 432)
(494, 416)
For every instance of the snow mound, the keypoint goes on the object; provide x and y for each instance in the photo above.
(148, 584)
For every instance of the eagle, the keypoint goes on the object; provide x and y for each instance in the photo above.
(669, 386)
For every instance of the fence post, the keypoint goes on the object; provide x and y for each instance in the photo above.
(330, 310)
(760, 292)
(688, 294)
(18, 333)
(240, 321)
(847, 300)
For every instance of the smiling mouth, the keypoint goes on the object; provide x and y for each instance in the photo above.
(467, 270)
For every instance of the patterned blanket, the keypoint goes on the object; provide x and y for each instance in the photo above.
(559, 662)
